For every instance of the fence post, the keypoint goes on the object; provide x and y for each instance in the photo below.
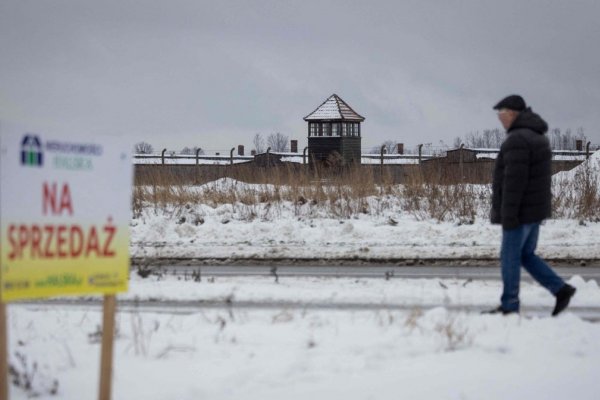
(420, 152)
(461, 162)
(198, 150)
(231, 155)
(587, 150)
(304, 155)
(381, 151)
(162, 156)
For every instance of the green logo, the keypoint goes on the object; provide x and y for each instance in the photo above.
(31, 151)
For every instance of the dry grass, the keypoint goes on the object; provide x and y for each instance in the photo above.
(578, 198)
(347, 192)
(344, 194)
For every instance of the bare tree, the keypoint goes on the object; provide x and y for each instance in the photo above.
(488, 139)
(560, 140)
(493, 138)
(278, 142)
(191, 151)
(259, 143)
(554, 136)
(567, 140)
(143, 148)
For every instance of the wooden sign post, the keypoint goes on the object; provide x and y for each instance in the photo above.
(73, 195)
(106, 356)
(3, 353)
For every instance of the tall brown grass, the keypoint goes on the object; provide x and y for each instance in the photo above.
(578, 196)
(347, 192)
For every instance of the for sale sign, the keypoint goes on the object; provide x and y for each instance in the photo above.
(64, 214)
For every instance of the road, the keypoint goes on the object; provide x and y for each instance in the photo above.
(368, 271)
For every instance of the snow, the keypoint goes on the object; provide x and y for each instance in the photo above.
(334, 108)
(420, 338)
(324, 231)
(339, 291)
(294, 353)
(559, 157)
(294, 158)
(590, 166)
(327, 110)
(297, 158)
(483, 149)
(491, 156)
(555, 156)
(327, 238)
(191, 160)
(392, 159)
(286, 157)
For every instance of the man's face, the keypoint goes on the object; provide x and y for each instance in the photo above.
(507, 117)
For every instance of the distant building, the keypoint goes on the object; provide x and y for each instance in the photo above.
(334, 127)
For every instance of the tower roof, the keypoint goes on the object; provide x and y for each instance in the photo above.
(334, 108)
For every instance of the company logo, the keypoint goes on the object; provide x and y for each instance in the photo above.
(31, 151)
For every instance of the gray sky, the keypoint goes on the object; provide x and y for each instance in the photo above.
(212, 74)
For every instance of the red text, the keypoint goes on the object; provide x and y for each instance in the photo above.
(60, 241)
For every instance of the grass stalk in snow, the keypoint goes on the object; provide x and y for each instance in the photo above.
(348, 192)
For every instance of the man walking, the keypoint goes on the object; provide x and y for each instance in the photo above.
(521, 196)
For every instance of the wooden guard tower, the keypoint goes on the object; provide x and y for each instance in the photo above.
(334, 127)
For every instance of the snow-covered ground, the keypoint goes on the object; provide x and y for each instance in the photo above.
(420, 338)
(330, 354)
(333, 291)
(222, 235)
(590, 167)
(389, 230)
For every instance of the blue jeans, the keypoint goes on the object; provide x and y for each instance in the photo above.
(518, 248)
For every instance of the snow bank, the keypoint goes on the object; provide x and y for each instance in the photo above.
(286, 230)
(591, 165)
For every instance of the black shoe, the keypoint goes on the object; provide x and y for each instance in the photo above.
(500, 310)
(563, 296)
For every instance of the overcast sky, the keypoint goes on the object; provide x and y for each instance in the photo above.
(212, 74)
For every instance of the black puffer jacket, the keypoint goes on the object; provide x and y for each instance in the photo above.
(521, 191)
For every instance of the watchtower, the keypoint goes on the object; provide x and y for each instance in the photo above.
(334, 127)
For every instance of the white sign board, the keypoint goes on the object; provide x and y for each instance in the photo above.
(64, 214)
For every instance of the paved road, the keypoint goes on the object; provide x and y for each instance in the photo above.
(369, 271)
